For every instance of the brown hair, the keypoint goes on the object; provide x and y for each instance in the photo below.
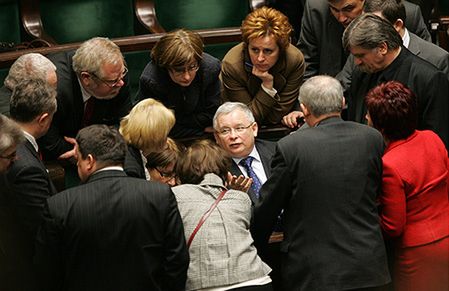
(164, 158)
(267, 21)
(201, 158)
(177, 48)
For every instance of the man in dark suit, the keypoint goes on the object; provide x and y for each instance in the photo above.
(322, 27)
(15, 269)
(92, 89)
(379, 57)
(27, 183)
(236, 132)
(27, 66)
(114, 232)
(327, 179)
(394, 12)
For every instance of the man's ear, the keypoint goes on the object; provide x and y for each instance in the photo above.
(383, 48)
(304, 109)
(43, 119)
(398, 24)
(255, 129)
(91, 162)
(85, 78)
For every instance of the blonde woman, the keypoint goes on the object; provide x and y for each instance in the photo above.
(145, 130)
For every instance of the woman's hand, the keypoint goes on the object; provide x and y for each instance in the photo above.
(265, 76)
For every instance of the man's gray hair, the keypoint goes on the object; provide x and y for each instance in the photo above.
(10, 134)
(32, 98)
(369, 31)
(28, 66)
(95, 52)
(322, 95)
(229, 107)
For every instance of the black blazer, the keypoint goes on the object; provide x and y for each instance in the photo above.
(68, 117)
(327, 179)
(29, 186)
(133, 165)
(266, 151)
(113, 233)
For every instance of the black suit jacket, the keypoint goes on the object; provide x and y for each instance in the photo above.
(28, 185)
(266, 151)
(430, 86)
(321, 34)
(133, 165)
(327, 179)
(5, 97)
(16, 269)
(113, 233)
(68, 118)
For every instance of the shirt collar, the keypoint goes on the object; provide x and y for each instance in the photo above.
(86, 95)
(111, 168)
(254, 153)
(406, 38)
(31, 139)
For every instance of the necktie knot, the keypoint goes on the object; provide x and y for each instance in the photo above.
(246, 162)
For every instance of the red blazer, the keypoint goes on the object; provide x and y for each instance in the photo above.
(414, 202)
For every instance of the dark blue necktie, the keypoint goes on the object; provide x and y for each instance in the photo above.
(246, 163)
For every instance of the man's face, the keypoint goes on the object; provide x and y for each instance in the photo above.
(235, 133)
(346, 11)
(7, 158)
(369, 60)
(108, 85)
(263, 52)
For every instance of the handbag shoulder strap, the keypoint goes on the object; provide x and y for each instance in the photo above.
(204, 217)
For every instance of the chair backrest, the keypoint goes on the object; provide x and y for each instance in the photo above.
(10, 22)
(200, 14)
(79, 20)
(167, 15)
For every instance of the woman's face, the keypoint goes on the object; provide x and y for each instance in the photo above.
(263, 52)
(184, 75)
(164, 174)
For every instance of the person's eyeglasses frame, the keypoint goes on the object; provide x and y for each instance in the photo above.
(167, 176)
(111, 83)
(179, 71)
(238, 130)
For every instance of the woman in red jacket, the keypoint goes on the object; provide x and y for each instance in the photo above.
(414, 199)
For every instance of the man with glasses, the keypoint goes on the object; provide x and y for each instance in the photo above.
(92, 89)
(236, 131)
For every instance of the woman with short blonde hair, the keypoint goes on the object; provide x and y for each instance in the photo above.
(145, 130)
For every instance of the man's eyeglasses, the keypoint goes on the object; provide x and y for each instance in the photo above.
(166, 175)
(112, 83)
(239, 129)
(10, 157)
(177, 71)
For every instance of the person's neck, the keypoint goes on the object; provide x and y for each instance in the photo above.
(391, 56)
(29, 128)
(315, 120)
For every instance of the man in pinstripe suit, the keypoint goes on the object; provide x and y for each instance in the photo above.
(113, 232)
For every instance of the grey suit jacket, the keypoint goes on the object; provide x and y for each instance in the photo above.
(320, 37)
(112, 233)
(327, 179)
(266, 151)
(222, 252)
